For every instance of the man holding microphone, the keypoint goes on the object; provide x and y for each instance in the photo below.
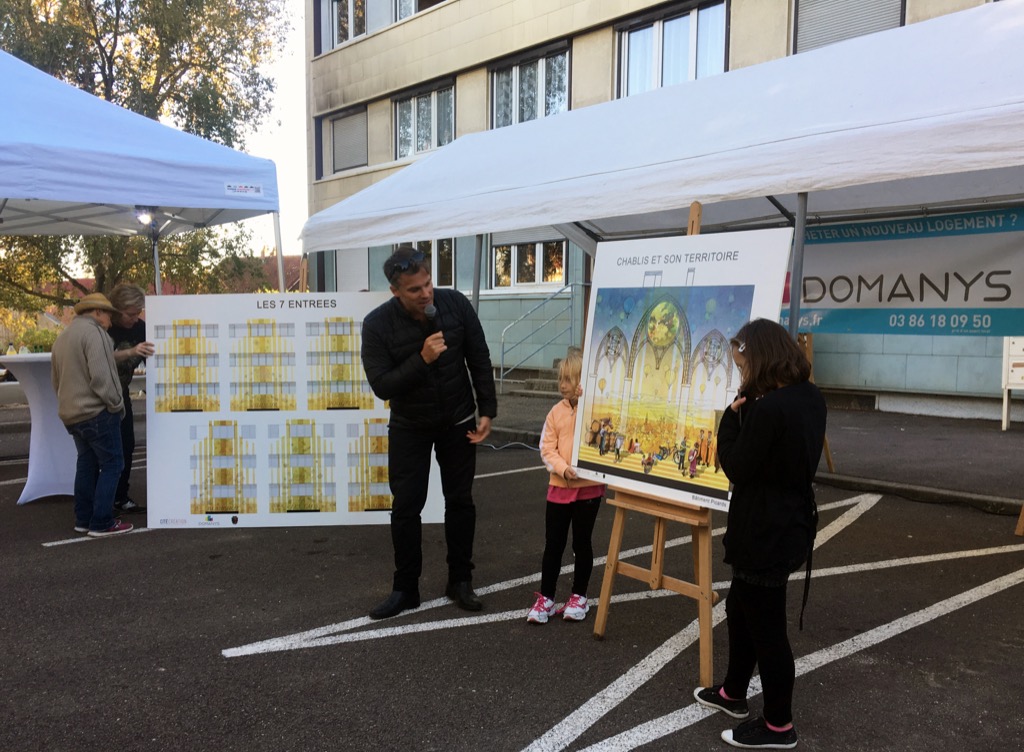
(424, 350)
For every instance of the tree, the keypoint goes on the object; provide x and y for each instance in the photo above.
(195, 63)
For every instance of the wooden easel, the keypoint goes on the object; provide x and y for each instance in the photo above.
(1020, 523)
(699, 520)
(806, 341)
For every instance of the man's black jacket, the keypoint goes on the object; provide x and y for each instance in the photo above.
(439, 395)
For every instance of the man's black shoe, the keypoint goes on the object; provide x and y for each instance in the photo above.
(395, 604)
(463, 595)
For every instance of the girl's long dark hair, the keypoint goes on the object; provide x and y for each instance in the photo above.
(774, 358)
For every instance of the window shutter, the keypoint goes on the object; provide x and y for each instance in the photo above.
(348, 137)
(822, 22)
(532, 235)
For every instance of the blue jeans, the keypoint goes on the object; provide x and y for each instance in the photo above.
(100, 461)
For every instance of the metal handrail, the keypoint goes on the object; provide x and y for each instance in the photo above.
(508, 348)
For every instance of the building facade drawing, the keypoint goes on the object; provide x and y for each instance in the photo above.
(187, 367)
(223, 464)
(302, 463)
(262, 365)
(368, 488)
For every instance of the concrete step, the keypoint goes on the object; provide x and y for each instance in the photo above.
(552, 396)
(541, 385)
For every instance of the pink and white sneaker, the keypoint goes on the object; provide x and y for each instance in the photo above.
(542, 609)
(576, 609)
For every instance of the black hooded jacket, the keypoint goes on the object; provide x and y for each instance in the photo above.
(436, 396)
(770, 452)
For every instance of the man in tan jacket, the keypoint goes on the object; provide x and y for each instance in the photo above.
(90, 405)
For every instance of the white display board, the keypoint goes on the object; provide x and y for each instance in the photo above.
(657, 365)
(259, 413)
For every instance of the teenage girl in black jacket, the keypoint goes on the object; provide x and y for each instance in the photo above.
(769, 443)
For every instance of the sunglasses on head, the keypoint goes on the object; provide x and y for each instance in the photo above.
(394, 267)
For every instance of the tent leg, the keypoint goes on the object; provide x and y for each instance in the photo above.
(477, 270)
(796, 278)
(281, 284)
(155, 238)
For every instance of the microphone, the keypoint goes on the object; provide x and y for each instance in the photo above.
(431, 313)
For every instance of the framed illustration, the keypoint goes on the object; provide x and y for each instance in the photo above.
(657, 365)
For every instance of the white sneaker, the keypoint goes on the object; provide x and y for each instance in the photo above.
(576, 609)
(541, 610)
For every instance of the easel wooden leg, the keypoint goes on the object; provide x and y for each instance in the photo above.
(702, 578)
(828, 457)
(1020, 523)
(806, 341)
(610, 568)
(663, 512)
(657, 554)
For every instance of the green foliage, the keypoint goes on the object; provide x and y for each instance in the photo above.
(39, 340)
(196, 63)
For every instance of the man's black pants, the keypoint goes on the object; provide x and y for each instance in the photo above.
(409, 472)
(127, 448)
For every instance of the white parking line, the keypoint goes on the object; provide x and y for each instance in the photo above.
(579, 721)
(657, 728)
(510, 472)
(83, 538)
(301, 639)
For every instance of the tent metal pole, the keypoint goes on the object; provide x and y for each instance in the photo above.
(155, 239)
(477, 269)
(281, 284)
(796, 278)
(573, 232)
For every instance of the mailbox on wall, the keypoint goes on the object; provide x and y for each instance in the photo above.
(1013, 372)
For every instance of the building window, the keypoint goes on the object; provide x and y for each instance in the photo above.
(406, 8)
(530, 89)
(672, 48)
(345, 141)
(339, 21)
(442, 260)
(528, 264)
(424, 121)
(347, 19)
(822, 22)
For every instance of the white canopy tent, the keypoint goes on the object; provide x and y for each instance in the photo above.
(74, 164)
(920, 119)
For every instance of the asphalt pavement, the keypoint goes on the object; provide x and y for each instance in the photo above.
(257, 639)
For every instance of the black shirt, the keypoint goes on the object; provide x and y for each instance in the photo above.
(125, 338)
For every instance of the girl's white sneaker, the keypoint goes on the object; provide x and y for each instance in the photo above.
(542, 609)
(576, 609)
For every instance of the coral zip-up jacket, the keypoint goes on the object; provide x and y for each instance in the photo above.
(556, 445)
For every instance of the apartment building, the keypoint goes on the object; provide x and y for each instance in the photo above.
(391, 81)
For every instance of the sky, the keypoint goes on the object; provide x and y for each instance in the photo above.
(282, 138)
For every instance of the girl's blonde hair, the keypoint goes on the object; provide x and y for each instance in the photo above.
(571, 368)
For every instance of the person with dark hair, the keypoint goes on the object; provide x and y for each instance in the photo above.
(425, 351)
(769, 444)
(128, 333)
(90, 406)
